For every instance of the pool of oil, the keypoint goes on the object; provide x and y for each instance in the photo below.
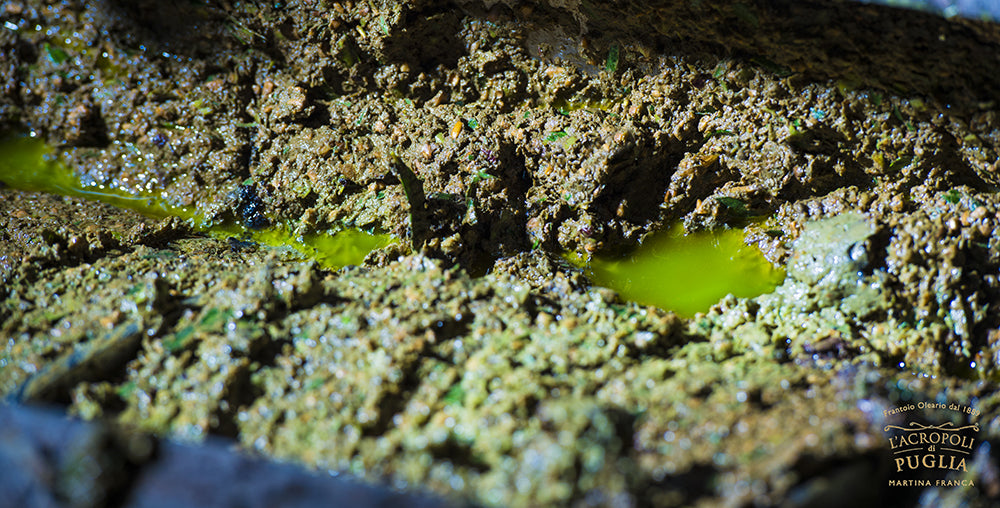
(687, 273)
(27, 163)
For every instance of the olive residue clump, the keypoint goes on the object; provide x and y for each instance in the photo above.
(857, 144)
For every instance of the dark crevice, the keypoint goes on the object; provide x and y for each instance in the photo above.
(394, 403)
(459, 454)
(101, 467)
(175, 27)
(241, 391)
(685, 487)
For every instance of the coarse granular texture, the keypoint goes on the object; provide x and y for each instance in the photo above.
(857, 145)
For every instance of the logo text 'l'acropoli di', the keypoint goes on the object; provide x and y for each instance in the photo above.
(931, 446)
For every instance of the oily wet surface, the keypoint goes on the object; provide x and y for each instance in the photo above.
(493, 139)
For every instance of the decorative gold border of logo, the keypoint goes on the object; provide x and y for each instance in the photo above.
(947, 426)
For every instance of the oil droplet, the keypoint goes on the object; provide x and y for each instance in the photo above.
(687, 273)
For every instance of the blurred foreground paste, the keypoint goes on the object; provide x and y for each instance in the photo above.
(49, 461)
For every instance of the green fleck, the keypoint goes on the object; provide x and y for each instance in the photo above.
(55, 53)
(347, 56)
(818, 114)
(480, 176)
(878, 159)
(413, 188)
(719, 132)
(952, 196)
(126, 390)
(455, 396)
(53, 316)
(555, 135)
(241, 33)
(313, 384)
(795, 128)
(174, 344)
(611, 64)
(362, 117)
(734, 205)
(134, 290)
(214, 317)
(180, 339)
(472, 123)
(899, 116)
(900, 163)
